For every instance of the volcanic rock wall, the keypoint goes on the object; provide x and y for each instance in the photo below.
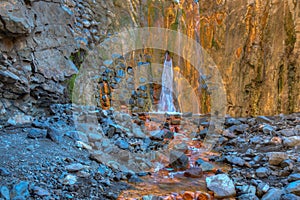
(41, 42)
(254, 43)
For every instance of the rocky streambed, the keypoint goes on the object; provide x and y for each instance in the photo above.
(77, 152)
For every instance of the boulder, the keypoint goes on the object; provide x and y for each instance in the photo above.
(221, 185)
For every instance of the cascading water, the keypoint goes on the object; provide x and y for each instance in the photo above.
(166, 98)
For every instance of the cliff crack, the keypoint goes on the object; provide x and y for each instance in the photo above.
(3, 22)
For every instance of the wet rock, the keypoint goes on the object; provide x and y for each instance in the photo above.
(229, 134)
(193, 172)
(20, 190)
(94, 137)
(40, 191)
(20, 119)
(262, 172)
(261, 189)
(37, 133)
(205, 166)
(248, 197)
(246, 189)
(134, 179)
(137, 132)
(169, 134)
(4, 172)
(267, 129)
(83, 145)
(275, 158)
(178, 160)
(69, 179)
(232, 121)
(263, 119)
(239, 128)
(288, 132)
(4, 193)
(273, 194)
(54, 134)
(182, 147)
(294, 177)
(78, 136)
(235, 160)
(122, 144)
(221, 185)
(290, 197)
(74, 167)
(157, 135)
(291, 141)
(294, 187)
(287, 163)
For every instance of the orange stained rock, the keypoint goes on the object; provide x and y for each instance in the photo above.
(188, 195)
(168, 198)
(105, 88)
(276, 140)
(238, 52)
(220, 16)
(202, 196)
(219, 2)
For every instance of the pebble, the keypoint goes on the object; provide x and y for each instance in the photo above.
(4, 172)
(262, 172)
(290, 197)
(291, 141)
(122, 144)
(74, 167)
(294, 187)
(235, 160)
(134, 179)
(37, 133)
(40, 191)
(262, 188)
(294, 177)
(69, 179)
(20, 190)
(273, 194)
(178, 160)
(247, 189)
(4, 193)
(267, 129)
(248, 197)
(205, 166)
(193, 172)
(275, 158)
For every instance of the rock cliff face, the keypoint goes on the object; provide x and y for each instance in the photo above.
(256, 45)
(39, 43)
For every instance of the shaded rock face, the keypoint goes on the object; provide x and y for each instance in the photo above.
(39, 43)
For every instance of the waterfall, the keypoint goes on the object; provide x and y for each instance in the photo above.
(166, 98)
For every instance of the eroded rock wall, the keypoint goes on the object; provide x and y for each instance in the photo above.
(255, 44)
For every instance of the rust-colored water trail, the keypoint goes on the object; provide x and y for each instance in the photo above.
(167, 181)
